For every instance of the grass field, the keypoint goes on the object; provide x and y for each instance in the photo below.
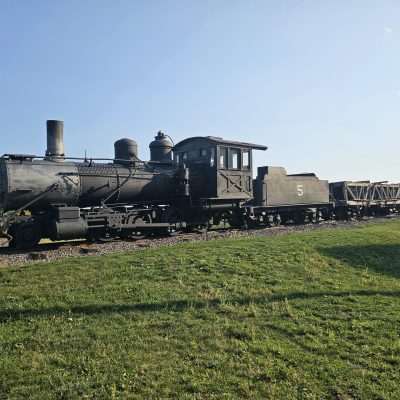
(303, 316)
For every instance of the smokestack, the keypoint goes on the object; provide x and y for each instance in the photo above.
(55, 140)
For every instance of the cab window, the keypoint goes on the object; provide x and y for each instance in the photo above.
(222, 157)
(246, 159)
(212, 157)
(234, 159)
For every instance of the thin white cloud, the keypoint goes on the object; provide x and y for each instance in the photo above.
(388, 30)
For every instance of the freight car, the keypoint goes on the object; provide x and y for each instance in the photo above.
(365, 198)
(199, 182)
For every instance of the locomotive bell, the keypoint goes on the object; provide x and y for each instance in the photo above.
(125, 150)
(161, 148)
(55, 140)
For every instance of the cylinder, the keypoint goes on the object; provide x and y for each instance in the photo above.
(68, 229)
(55, 140)
(125, 151)
(161, 148)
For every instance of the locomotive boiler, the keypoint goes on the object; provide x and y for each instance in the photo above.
(56, 179)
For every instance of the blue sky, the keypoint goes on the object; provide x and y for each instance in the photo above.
(316, 81)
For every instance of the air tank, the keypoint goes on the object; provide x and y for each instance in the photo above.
(161, 148)
(55, 140)
(125, 150)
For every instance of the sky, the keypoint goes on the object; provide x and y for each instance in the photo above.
(318, 82)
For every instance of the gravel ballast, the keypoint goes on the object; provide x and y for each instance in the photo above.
(48, 252)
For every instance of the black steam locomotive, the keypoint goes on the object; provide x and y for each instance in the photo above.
(199, 182)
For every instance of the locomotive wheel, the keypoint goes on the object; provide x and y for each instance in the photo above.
(25, 235)
(176, 218)
(236, 221)
(299, 218)
(143, 219)
(172, 215)
(225, 219)
(221, 218)
(277, 220)
(125, 235)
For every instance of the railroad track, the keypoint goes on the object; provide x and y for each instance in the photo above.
(52, 251)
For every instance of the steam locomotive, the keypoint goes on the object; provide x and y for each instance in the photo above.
(199, 182)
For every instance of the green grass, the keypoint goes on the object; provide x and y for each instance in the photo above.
(304, 316)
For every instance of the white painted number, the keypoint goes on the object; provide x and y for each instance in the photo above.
(300, 190)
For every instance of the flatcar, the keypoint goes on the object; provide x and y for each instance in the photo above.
(365, 198)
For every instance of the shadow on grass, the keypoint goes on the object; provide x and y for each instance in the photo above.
(382, 259)
(9, 315)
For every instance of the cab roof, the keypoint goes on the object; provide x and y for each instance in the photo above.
(220, 141)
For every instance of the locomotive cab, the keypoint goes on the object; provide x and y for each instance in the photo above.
(220, 171)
